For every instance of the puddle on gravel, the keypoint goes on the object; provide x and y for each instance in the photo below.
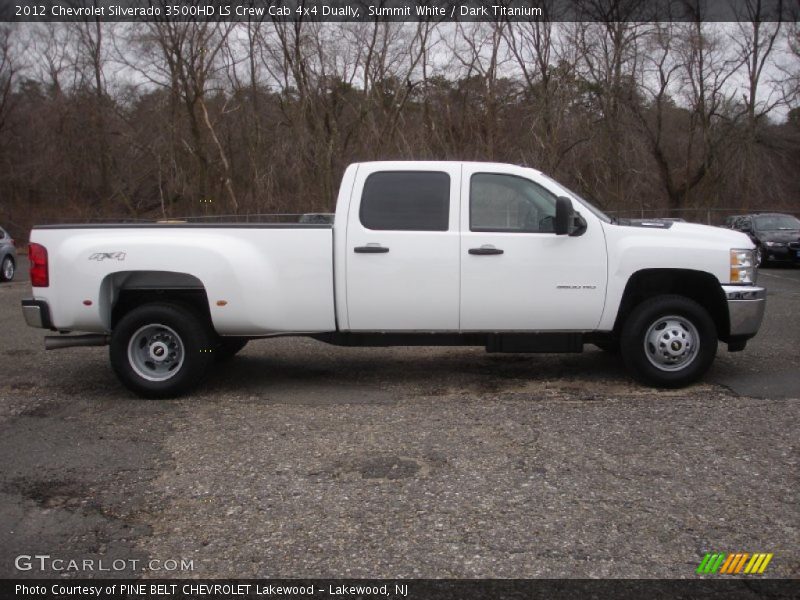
(382, 468)
(52, 494)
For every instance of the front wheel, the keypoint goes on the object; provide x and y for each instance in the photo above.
(668, 341)
(161, 350)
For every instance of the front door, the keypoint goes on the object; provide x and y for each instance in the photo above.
(516, 273)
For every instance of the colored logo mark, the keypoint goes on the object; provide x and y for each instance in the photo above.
(734, 564)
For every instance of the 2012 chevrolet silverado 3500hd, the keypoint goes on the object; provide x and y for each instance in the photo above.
(419, 253)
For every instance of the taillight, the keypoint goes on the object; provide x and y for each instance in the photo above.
(38, 258)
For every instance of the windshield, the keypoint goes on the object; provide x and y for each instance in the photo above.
(775, 222)
(595, 211)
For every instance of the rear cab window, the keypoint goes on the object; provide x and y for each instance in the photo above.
(406, 201)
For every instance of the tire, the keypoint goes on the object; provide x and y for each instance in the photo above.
(7, 269)
(148, 332)
(668, 341)
(227, 348)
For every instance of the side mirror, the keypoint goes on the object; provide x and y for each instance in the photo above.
(564, 215)
(567, 221)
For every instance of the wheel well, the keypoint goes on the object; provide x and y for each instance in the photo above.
(701, 287)
(197, 300)
(134, 288)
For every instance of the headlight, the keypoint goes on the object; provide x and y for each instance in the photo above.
(743, 266)
(775, 244)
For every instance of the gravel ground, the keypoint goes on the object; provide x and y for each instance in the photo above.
(304, 460)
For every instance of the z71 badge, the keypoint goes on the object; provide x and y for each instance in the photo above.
(107, 255)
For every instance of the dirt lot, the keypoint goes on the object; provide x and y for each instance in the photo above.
(304, 460)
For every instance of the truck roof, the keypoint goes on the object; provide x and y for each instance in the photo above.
(434, 163)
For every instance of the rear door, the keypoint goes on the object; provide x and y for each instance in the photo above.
(516, 273)
(402, 251)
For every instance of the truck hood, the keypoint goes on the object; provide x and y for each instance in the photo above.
(736, 239)
(688, 231)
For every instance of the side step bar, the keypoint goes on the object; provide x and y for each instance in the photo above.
(54, 342)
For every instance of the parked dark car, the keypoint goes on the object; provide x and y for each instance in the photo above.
(776, 236)
(8, 256)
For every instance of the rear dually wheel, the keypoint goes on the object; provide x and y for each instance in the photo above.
(161, 350)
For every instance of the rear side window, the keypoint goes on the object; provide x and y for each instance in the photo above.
(406, 201)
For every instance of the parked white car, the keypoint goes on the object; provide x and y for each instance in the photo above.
(419, 253)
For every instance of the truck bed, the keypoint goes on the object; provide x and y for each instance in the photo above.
(260, 278)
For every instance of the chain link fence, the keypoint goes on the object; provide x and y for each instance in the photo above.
(706, 216)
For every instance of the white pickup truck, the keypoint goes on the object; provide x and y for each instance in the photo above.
(419, 253)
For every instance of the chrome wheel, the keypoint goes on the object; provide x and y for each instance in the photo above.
(8, 269)
(671, 343)
(759, 256)
(155, 352)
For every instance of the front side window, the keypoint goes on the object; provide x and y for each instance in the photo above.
(507, 203)
(406, 201)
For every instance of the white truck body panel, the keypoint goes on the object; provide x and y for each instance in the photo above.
(263, 280)
(270, 279)
(682, 246)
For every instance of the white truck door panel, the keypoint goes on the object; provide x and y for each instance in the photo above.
(402, 250)
(516, 275)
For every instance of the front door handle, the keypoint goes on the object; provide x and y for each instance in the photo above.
(485, 251)
(371, 249)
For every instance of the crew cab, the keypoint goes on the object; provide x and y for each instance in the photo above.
(418, 253)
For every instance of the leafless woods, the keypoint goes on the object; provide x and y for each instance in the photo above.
(172, 119)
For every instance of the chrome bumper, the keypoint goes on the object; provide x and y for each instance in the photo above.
(37, 313)
(746, 306)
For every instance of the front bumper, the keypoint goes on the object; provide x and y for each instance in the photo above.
(746, 306)
(37, 313)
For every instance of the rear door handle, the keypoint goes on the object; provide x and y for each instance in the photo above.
(371, 249)
(485, 251)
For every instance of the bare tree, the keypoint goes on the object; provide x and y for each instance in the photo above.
(755, 42)
(706, 71)
(183, 57)
(610, 60)
(8, 72)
